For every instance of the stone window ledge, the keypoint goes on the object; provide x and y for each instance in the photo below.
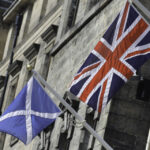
(32, 51)
(2, 80)
(50, 33)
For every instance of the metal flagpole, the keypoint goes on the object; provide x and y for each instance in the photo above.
(142, 7)
(86, 125)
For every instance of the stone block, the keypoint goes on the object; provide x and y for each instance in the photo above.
(36, 14)
(128, 125)
(125, 108)
(81, 10)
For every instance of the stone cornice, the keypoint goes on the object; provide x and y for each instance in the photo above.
(50, 33)
(2, 80)
(31, 51)
(15, 67)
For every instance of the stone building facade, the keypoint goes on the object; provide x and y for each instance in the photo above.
(55, 37)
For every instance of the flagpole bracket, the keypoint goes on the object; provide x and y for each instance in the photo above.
(77, 123)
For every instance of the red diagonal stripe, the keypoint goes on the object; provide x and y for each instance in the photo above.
(137, 52)
(130, 38)
(123, 20)
(87, 69)
(96, 79)
(102, 49)
(123, 69)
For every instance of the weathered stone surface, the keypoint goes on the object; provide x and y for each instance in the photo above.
(124, 123)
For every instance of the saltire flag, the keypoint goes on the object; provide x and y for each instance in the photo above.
(30, 112)
(124, 47)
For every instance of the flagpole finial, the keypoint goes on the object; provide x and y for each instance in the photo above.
(29, 67)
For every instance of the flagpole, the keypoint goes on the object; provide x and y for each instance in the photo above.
(86, 125)
(141, 7)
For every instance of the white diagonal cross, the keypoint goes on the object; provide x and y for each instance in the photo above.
(28, 112)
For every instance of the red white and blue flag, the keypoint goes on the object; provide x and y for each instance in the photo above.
(124, 47)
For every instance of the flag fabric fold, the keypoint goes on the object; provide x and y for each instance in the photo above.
(122, 50)
(30, 112)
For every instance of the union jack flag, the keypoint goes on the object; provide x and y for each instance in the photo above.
(124, 47)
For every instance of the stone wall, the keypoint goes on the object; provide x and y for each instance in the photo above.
(124, 123)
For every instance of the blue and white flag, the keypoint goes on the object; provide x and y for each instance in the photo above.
(30, 112)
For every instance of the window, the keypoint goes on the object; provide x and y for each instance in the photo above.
(92, 3)
(72, 13)
(18, 25)
(11, 96)
(9, 41)
(4, 31)
(44, 143)
(12, 90)
(2, 80)
(143, 90)
(69, 124)
(2, 135)
(91, 118)
(44, 6)
(28, 19)
(46, 66)
(64, 141)
(14, 71)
